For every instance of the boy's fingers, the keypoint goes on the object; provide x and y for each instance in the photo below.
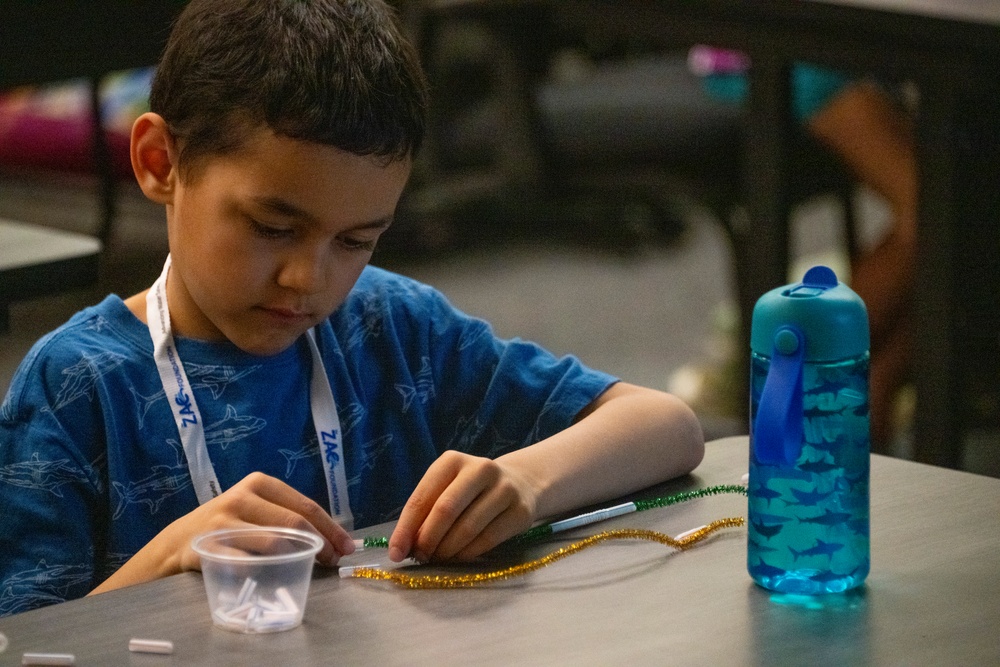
(467, 528)
(505, 525)
(410, 520)
(338, 541)
(501, 509)
(438, 477)
(278, 504)
(461, 511)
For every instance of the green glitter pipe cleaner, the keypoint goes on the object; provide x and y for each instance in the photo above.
(544, 530)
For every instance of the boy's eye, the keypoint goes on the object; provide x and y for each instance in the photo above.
(364, 245)
(268, 232)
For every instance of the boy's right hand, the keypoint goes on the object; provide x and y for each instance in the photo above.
(260, 500)
(257, 500)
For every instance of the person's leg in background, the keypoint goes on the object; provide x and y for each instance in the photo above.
(871, 134)
(864, 127)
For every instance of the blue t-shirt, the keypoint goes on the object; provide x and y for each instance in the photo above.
(91, 465)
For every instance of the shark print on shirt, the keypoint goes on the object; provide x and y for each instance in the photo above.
(214, 378)
(39, 475)
(423, 387)
(82, 377)
(87, 426)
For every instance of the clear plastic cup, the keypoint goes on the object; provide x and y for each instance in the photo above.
(257, 579)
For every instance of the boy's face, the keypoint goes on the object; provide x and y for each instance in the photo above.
(267, 242)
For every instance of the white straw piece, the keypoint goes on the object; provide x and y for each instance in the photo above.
(48, 659)
(270, 605)
(224, 622)
(592, 517)
(236, 613)
(348, 570)
(286, 599)
(160, 646)
(249, 586)
(688, 533)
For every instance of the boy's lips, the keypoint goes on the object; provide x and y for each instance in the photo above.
(288, 315)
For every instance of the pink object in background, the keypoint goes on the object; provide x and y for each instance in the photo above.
(50, 127)
(704, 60)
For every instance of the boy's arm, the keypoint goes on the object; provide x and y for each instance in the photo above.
(627, 439)
(257, 500)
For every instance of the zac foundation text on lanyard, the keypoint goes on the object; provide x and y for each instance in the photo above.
(191, 428)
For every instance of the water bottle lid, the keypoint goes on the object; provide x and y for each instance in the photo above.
(831, 316)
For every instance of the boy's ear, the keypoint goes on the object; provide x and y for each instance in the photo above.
(154, 157)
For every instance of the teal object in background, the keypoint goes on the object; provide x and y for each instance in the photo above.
(808, 497)
(812, 87)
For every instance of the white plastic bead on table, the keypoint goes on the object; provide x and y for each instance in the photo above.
(49, 659)
(160, 646)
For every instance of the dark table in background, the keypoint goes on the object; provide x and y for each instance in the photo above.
(931, 598)
(56, 40)
(946, 47)
(941, 45)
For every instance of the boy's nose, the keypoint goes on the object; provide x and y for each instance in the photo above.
(304, 270)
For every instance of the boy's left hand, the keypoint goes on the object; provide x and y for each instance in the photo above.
(463, 506)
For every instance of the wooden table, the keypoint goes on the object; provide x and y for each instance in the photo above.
(931, 598)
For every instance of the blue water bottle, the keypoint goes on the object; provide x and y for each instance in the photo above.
(808, 527)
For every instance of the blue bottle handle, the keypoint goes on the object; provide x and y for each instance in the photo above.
(777, 432)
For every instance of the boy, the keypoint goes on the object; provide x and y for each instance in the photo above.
(268, 377)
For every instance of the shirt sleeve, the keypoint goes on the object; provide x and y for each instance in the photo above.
(492, 395)
(48, 488)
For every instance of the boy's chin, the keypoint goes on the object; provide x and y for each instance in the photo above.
(266, 347)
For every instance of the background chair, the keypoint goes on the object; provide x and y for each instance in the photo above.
(617, 138)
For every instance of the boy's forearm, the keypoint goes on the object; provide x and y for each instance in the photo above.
(629, 438)
(148, 564)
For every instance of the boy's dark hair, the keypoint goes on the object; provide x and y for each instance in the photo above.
(336, 72)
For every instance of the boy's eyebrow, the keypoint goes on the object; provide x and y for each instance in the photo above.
(285, 208)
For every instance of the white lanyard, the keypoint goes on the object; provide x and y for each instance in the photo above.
(192, 430)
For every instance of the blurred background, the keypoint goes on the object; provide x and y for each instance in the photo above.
(576, 190)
